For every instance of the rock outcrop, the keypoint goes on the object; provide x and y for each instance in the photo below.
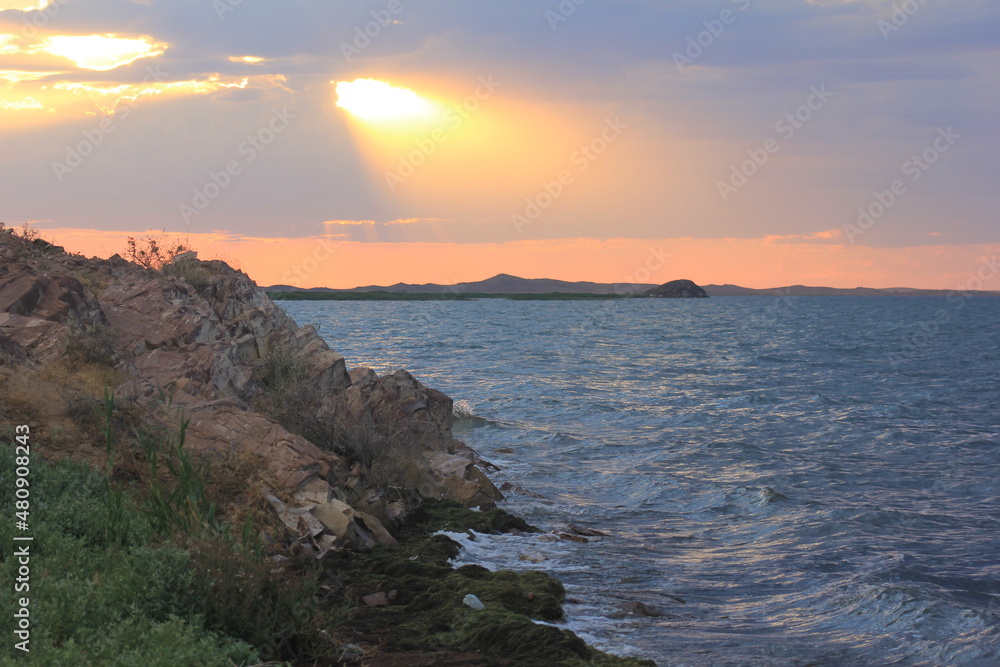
(678, 289)
(200, 339)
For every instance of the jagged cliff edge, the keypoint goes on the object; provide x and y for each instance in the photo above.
(200, 341)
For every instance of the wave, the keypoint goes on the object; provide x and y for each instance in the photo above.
(940, 626)
(464, 414)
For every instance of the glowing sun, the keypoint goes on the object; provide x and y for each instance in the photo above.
(377, 101)
(102, 52)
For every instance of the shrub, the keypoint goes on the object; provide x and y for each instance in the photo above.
(153, 252)
(90, 346)
(26, 241)
(280, 391)
(242, 596)
(191, 271)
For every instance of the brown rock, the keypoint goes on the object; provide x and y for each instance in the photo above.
(361, 376)
(57, 299)
(572, 538)
(336, 516)
(350, 527)
(296, 519)
(375, 528)
(457, 479)
(379, 599)
(397, 406)
(296, 463)
(533, 557)
(11, 353)
(42, 340)
(509, 487)
(640, 609)
(412, 424)
(586, 532)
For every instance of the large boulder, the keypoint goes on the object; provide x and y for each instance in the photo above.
(56, 299)
(42, 340)
(405, 428)
(397, 407)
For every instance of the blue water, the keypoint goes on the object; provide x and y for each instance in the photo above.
(817, 478)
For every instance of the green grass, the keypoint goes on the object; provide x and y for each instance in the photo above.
(112, 583)
(96, 598)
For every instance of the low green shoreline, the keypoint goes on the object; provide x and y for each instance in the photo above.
(443, 296)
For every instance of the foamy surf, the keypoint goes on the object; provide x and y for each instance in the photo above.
(593, 618)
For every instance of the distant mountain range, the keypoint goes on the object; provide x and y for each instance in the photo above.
(507, 284)
(500, 284)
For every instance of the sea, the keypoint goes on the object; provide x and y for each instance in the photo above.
(783, 480)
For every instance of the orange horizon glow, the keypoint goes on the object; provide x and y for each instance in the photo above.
(756, 263)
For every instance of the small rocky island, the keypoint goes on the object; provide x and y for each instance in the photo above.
(678, 289)
(283, 507)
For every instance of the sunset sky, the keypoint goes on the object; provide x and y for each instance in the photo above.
(758, 142)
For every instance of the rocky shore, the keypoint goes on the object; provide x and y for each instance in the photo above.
(335, 474)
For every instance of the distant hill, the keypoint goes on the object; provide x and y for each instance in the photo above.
(508, 284)
(678, 289)
(499, 284)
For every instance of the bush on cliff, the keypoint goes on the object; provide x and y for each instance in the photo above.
(153, 252)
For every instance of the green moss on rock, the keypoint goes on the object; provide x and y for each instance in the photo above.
(433, 515)
(426, 612)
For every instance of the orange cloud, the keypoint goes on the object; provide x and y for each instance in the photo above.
(828, 236)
